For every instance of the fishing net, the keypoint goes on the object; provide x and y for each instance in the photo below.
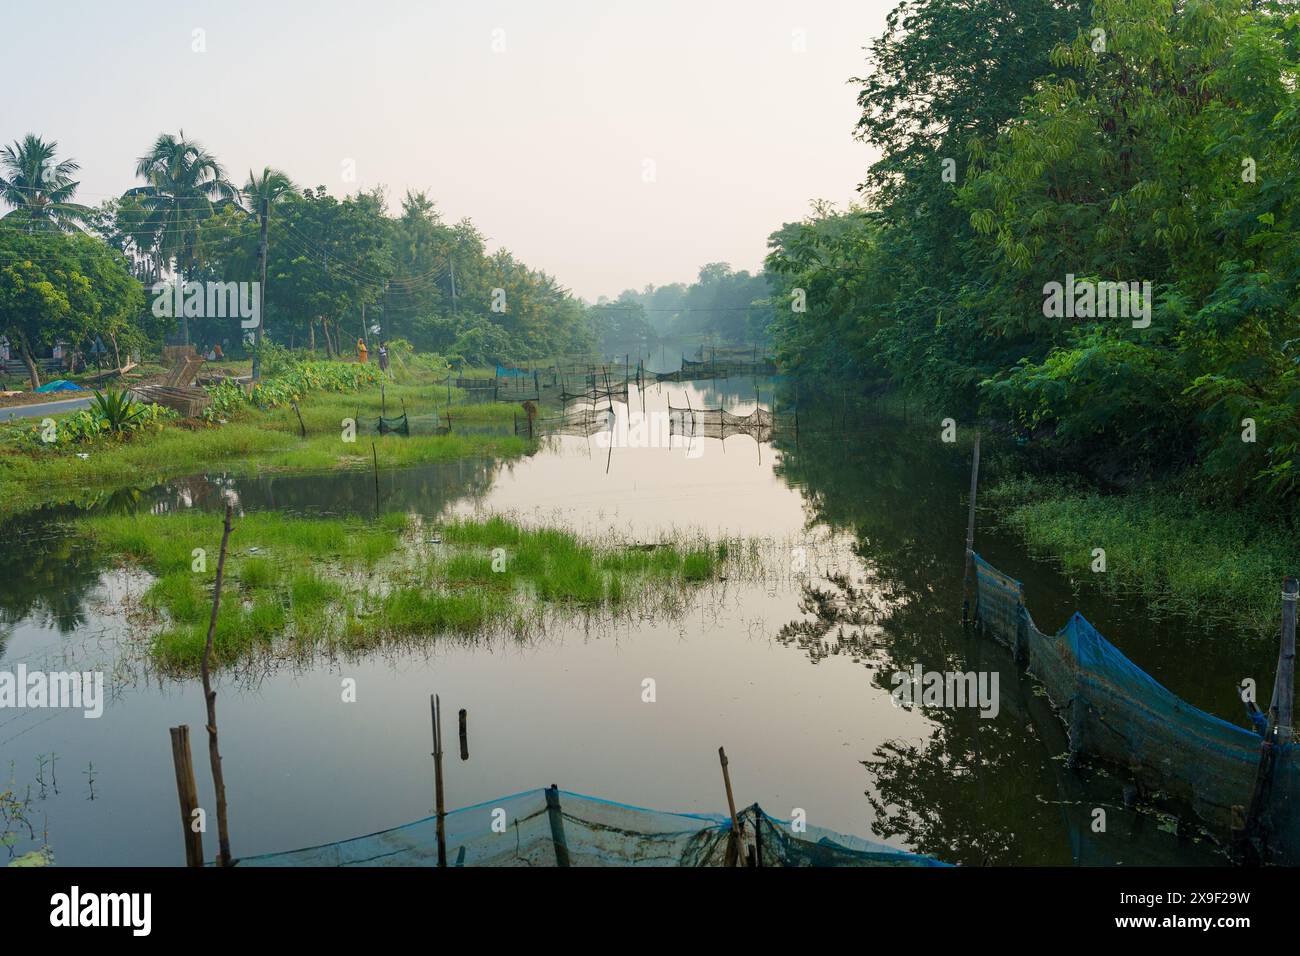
(527, 830)
(692, 371)
(1116, 711)
(385, 425)
(617, 392)
(719, 423)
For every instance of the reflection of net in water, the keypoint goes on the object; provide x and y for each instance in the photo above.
(1118, 712)
(582, 421)
(589, 831)
(719, 423)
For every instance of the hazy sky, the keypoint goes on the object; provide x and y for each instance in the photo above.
(544, 144)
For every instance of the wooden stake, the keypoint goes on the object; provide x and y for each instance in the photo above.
(557, 825)
(1284, 684)
(188, 794)
(301, 425)
(435, 705)
(375, 455)
(967, 582)
(464, 735)
(210, 695)
(733, 841)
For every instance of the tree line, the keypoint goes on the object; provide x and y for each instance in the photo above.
(1082, 225)
(330, 271)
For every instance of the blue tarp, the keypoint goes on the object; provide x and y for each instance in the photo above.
(60, 385)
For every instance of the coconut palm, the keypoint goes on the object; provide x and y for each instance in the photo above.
(38, 186)
(186, 185)
(262, 194)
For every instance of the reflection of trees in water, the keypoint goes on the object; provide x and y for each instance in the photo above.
(48, 575)
(976, 790)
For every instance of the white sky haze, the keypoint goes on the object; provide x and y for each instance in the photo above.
(544, 144)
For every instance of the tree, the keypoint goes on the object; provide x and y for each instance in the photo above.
(39, 186)
(185, 184)
(263, 193)
(56, 286)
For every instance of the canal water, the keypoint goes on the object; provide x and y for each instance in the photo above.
(863, 523)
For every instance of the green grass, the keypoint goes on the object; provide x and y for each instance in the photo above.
(253, 441)
(349, 584)
(1219, 565)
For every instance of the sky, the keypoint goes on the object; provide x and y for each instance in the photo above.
(611, 144)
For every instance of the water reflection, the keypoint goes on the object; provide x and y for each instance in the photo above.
(794, 679)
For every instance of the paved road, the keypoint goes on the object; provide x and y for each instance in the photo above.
(44, 408)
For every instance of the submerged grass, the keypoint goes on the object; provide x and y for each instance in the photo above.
(343, 583)
(1221, 566)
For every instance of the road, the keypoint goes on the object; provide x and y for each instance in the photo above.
(43, 409)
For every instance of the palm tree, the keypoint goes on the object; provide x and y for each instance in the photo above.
(261, 193)
(186, 184)
(39, 187)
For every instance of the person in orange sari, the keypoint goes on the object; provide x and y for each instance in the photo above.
(362, 356)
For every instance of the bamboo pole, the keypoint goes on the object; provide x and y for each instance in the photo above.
(210, 696)
(188, 794)
(557, 825)
(435, 705)
(375, 455)
(967, 583)
(733, 840)
(301, 424)
(464, 734)
(1284, 684)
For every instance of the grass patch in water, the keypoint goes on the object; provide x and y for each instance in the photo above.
(1219, 565)
(347, 583)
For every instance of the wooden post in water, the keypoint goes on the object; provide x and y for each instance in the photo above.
(435, 705)
(464, 734)
(557, 825)
(1251, 841)
(1284, 683)
(210, 696)
(733, 841)
(188, 794)
(967, 582)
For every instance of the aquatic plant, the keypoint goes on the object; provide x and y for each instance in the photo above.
(351, 584)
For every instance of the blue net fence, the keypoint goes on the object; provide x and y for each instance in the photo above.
(527, 829)
(1117, 712)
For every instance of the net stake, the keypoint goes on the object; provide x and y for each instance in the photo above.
(970, 529)
(435, 706)
(557, 825)
(188, 793)
(733, 840)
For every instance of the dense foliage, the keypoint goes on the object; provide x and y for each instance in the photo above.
(1027, 143)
